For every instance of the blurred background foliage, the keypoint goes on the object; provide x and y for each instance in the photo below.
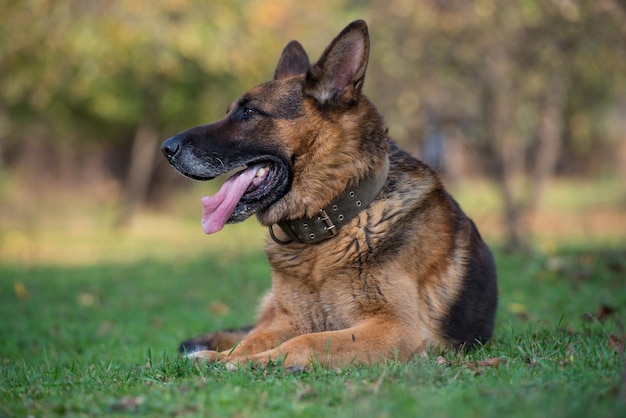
(515, 93)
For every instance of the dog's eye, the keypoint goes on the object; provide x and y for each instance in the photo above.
(244, 112)
(248, 111)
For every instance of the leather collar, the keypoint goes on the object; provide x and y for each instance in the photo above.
(336, 214)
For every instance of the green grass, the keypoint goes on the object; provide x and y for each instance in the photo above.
(100, 340)
(90, 318)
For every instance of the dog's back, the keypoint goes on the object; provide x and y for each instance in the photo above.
(453, 268)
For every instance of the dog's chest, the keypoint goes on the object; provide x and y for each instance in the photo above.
(326, 288)
(317, 308)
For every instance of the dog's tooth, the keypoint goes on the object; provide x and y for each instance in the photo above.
(261, 171)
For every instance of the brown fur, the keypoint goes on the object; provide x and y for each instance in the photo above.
(410, 272)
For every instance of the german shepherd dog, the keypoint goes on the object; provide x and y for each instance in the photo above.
(371, 258)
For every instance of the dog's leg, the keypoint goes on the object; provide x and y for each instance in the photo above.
(256, 342)
(367, 343)
(271, 330)
(225, 340)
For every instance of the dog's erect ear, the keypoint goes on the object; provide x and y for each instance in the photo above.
(293, 61)
(340, 71)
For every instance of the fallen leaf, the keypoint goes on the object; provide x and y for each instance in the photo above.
(442, 361)
(617, 343)
(517, 308)
(490, 362)
(86, 299)
(218, 308)
(20, 290)
(604, 312)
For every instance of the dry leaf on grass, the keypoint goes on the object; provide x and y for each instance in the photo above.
(442, 361)
(604, 311)
(20, 290)
(218, 308)
(617, 343)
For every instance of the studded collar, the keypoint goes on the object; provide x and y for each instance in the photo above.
(336, 214)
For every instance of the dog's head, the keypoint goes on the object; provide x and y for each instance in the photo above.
(289, 136)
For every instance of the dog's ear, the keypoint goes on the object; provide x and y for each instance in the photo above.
(338, 75)
(293, 61)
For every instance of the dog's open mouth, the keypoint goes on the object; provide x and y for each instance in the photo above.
(245, 192)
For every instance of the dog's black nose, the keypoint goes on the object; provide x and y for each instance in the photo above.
(171, 146)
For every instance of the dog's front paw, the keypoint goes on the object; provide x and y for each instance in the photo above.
(205, 355)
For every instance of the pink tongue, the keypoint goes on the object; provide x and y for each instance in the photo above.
(218, 208)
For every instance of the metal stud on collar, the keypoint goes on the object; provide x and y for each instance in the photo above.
(338, 213)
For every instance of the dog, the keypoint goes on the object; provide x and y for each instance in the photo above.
(372, 260)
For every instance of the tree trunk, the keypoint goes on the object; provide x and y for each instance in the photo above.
(549, 138)
(504, 147)
(144, 148)
(3, 136)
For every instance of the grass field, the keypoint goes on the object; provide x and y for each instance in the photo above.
(91, 319)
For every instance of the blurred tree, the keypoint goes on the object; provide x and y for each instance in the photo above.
(525, 83)
(142, 67)
(130, 72)
(509, 74)
(28, 43)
